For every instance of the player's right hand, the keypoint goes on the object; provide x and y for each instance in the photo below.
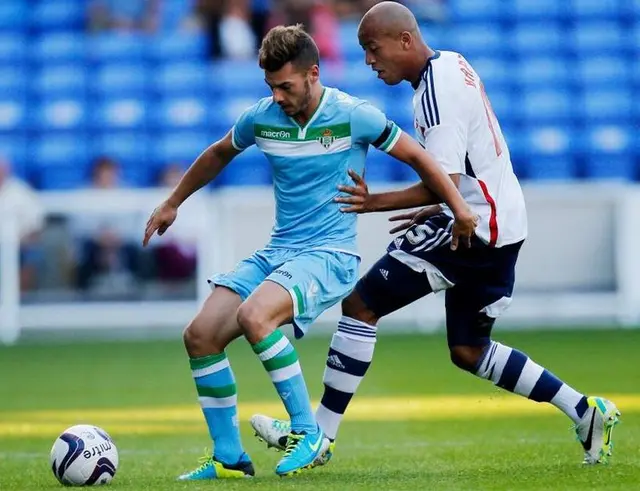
(464, 226)
(159, 221)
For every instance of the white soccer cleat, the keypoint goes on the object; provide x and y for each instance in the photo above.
(595, 430)
(274, 432)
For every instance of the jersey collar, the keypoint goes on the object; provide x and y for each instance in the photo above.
(416, 83)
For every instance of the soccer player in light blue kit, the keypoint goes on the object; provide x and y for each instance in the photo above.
(313, 137)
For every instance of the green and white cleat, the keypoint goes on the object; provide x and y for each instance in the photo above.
(595, 430)
(274, 432)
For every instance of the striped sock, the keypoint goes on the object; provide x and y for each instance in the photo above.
(349, 357)
(280, 359)
(516, 372)
(217, 394)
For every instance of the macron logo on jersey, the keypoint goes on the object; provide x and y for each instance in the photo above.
(276, 135)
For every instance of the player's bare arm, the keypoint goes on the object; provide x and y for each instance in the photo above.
(203, 170)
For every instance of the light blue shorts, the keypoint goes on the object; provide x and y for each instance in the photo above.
(316, 279)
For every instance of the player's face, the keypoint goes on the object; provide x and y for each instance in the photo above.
(384, 54)
(291, 87)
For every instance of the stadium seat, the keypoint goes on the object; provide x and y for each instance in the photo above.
(62, 177)
(547, 106)
(537, 9)
(12, 115)
(178, 47)
(180, 146)
(173, 14)
(14, 149)
(550, 153)
(494, 72)
(238, 78)
(181, 113)
(379, 167)
(60, 150)
(60, 14)
(120, 80)
(596, 9)
(502, 103)
(478, 40)
(12, 81)
(560, 168)
(120, 114)
(228, 111)
(613, 105)
(591, 37)
(604, 71)
(58, 46)
(13, 15)
(121, 48)
(635, 38)
(348, 41)
(609, 153)
(173, 79)
(540, 72)
(13, 48)
(59, 114)
(60, 80)
(475, 10)
(250, 168)
(538, 37)
(125, 147)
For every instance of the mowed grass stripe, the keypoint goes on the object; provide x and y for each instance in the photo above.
(179, 419)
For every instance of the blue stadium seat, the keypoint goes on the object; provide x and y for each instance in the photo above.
(550, 153)
(183, 79)
(13, 48)
(379, 167)
(475, 10)
(14, 149)
(173, 13)
(348, 41)
(613, 105)
(62, 177)
(539, 72)
(502, 103)
(178, 47)
(238, 78)
(183, 146)
(120, 114)
(610, 153)
(547, 106)
(12, 81)
(604, 71)
(120, 80)
(59, 46)
(60, 80)
(13, 15)
(538, 9)
(12, 115)
(537, 37)
(590, 37)
(356, 76)
(181, 113)
(125, 147)
(250, 168)
(60, 150)
(118, 48)
(556, 168)
(229, 110)
(478, 40)
(596, 9)
(59, 114)
(60, 14)
(632, 9)
(494, 72)
(635, 36)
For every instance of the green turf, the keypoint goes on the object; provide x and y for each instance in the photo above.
(503, 453)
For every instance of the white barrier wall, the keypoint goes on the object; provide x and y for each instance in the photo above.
(579, 265)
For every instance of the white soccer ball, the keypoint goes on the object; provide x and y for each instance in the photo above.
(84, 455)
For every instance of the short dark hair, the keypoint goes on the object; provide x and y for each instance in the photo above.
(284, 44)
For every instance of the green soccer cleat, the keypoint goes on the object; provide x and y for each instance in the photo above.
(212, 469)
(595, 430)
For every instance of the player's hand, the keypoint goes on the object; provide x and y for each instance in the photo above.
(464, 227)
(413, 217)
(159, 221)
(360, 199)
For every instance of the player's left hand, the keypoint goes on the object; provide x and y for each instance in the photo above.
(464, 227)
(360, 199)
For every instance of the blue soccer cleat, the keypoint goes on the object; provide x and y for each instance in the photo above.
(212, 469)
(301, 452)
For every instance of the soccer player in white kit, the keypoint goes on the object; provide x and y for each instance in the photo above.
(455, 123)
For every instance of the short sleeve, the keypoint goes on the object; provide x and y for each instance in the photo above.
(370, 126)
(242, 133)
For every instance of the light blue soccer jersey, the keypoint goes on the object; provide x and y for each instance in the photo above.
(309, 163)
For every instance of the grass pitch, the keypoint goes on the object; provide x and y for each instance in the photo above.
(417, 422)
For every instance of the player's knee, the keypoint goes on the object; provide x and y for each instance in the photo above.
(196, 340)
(353, 306)
(466, 357)
(253, 321)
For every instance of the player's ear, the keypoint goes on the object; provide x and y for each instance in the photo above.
(314, 73)
(406, 40)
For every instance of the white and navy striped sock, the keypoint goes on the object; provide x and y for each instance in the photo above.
(516, 372)
(349, 357)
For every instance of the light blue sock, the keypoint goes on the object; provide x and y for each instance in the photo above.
(217, 394)
(280, 359)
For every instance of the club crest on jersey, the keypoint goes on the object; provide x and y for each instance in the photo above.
(327, 138)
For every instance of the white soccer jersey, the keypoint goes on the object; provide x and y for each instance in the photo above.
(455, 123)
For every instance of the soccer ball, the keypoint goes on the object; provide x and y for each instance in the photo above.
(84, 455)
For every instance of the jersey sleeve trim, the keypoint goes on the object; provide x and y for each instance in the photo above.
(388, 138)
(234, 142)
